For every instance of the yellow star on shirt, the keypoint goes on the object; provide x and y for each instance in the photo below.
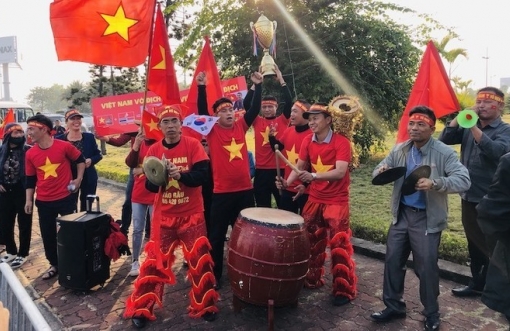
(119, 23)
(173, 183)
(50, 169)
(162, 64)
(265, 135)
(321, 168)
(292, 156)
(234, 149)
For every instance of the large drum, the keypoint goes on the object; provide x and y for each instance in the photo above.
(268, 256)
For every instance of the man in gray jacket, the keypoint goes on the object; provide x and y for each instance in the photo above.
(419, 218)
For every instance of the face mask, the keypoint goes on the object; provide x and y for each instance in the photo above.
(17, 141)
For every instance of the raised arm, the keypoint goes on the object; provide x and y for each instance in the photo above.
(287, 97)
(202, 94)
(254, 110)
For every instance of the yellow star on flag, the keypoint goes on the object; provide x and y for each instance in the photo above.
(292, 156)
(321, 168)
(152, 125)
(265, 135)
(50, 169)
(173, 183)
(234, 149)
(119, 23)
(161, 65)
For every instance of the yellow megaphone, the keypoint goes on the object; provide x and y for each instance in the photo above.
(467, 118)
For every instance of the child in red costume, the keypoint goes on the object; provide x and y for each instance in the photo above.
(178, 219)
(327, 208)
(265, 163)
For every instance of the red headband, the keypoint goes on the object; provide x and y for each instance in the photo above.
(13, 128)
(169, 111)
(222, 106)
(269, 103)
(421, 117)
(484, 95)
(301, 106)
(38, 125)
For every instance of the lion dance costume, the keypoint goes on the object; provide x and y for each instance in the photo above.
(178, 219)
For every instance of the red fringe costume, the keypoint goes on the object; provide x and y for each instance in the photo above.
(156, 271)
(319, 218)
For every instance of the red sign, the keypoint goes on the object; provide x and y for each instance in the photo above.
(117, 113)
(234, 89)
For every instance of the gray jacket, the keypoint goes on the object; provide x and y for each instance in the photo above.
(450, 175)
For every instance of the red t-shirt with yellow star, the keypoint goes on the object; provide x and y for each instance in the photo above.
(229, 158)
(322, 158)
(264, 155)
(140, 194)
(179, 200)
(292, 140)
(52, 166)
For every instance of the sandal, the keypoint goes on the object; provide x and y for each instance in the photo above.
(50, 273)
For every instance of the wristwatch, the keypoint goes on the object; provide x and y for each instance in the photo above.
(314, 176)
(435, 186)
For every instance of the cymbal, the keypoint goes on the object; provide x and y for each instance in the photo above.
(388, 176)
(410, 182)
(155, 170)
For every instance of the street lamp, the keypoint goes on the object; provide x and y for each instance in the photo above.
(486, 58)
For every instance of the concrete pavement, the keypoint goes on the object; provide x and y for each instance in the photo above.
(102, 308)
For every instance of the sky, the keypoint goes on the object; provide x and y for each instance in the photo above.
(481, 26)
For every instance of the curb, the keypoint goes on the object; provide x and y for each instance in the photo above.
(447, 270)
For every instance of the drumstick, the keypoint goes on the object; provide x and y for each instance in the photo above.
(287, 162)
(278, 174)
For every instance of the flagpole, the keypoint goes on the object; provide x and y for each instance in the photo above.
(147, 70)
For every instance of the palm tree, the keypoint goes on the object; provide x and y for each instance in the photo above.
(451, 55)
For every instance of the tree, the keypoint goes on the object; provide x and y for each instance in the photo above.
(77, 95)
(376, 55)
(451, 55)
(46, 99)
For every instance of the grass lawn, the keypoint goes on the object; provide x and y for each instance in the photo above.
(370, 210)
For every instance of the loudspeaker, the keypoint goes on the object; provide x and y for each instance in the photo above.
(82, 262)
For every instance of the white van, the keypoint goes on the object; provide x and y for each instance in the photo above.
(21, 112)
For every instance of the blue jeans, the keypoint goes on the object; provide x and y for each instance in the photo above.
(139, 212)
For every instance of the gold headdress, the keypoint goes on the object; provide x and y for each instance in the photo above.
(347, 115)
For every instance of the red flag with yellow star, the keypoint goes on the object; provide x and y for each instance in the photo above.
(102, 32)
(161, 78)
(207, 64)
(150, 126)
(9, 118)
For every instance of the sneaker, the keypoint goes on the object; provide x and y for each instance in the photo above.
(18, 262)
(7, 258)
(135, 269)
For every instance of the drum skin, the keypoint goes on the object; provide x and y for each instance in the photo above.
(268, 256)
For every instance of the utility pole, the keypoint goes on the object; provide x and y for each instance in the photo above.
(486, 57)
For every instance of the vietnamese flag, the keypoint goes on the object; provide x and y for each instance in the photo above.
(150, 126)
(102, 32)
(207, 64)
(161, 78)
(9, 118)
(432, 88)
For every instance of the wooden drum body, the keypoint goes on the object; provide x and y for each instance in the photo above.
(268, 256)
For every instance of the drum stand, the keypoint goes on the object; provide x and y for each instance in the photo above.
(240, 304)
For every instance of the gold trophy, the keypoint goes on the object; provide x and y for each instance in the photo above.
(264, 32)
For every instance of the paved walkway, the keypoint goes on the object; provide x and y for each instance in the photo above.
(102, 308)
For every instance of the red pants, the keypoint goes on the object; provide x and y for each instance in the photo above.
(149, 286)
(318, 219)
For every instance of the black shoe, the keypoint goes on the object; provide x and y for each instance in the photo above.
(209, 316)
(139, 322)
(387, 315)
(432, 323)
(340, 300)
(185, 264)
(217, 287)
(466, 291)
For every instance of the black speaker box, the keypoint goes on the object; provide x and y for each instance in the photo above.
(82, 263)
